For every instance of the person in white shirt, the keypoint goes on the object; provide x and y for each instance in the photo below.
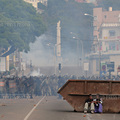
(98, 104)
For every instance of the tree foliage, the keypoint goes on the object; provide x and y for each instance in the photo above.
(19, 24)
(41, 6)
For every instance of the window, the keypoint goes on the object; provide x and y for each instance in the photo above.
(112, 46)
(105, 16)
(112, 33)
(97, 65)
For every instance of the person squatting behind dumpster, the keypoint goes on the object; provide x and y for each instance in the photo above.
(89, 105)
(98, 104)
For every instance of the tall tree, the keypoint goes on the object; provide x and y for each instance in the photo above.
(19, 24)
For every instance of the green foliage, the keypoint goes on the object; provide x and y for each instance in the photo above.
(19, 24)
(41, 6)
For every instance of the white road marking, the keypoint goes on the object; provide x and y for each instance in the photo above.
(28, 115)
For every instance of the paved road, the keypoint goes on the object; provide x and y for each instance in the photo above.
(47, 108)
(53, 109)
(16, 109)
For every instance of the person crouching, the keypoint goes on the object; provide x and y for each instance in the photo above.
(98, 104)
(89, 105)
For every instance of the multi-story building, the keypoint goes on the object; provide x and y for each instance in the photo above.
(35, 2)
(106, 44)
(86, 1)
(44, 2)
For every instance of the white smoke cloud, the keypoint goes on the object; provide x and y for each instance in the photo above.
(36, 73)
(41, 53)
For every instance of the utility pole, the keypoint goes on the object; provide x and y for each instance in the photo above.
(82, 50)
(99, 44)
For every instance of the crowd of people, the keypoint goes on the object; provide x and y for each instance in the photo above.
(100, 78)
(38, 85)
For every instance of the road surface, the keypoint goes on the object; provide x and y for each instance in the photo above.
(45, 108)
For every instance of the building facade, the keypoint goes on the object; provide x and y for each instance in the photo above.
(86, 1)
(35, 2)
(106, 44)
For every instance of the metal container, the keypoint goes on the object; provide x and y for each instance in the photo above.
(75, 92)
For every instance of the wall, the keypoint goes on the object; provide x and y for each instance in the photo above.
(2, 64)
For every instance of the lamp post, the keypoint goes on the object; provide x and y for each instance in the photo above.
(86, 14)
(78, 39)
(54, 56)
(54, 47)
(99, 44)
(78, 48)
(77, 51)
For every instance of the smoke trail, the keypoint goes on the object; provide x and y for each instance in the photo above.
(41, 54)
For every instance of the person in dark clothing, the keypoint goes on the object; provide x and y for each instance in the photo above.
(89, 105)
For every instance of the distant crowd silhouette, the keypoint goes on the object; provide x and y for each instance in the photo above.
(39, 85)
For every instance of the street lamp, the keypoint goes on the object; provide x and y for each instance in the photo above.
(54, 47)
(78, 39)
(86, 14)
(78, 47)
